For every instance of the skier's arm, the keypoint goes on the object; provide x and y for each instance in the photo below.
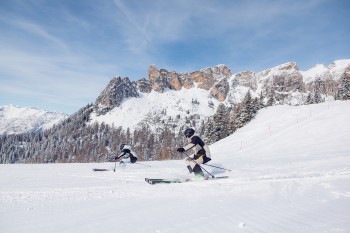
(189, 146)
(194, 142)
(121, 155)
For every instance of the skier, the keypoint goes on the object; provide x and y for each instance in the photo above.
(201, 153)
(126, 153)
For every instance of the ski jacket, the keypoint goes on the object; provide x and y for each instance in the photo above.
(127, 152)
(198, 147)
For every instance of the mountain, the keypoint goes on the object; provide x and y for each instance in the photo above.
(168, 98)
(290, 173)
(177, 99)
(152, 113)
(16, 120)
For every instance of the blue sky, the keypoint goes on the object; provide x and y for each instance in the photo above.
(59, 55)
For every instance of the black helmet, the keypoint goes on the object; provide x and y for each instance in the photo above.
(122, 146)
(189, 132)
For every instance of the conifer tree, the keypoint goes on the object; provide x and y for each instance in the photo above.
(221, 122)
(261, 101)
(319, 85)
(210, 134)
(309, 99)
(344, 87)
(248, 109)
(234, 120)
(271, 101)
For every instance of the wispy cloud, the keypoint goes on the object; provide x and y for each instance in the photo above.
(65, 51)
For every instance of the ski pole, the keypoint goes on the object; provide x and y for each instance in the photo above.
(198, 164)
(218, 167)
(115, 165)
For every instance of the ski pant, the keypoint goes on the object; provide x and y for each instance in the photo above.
(131, 159)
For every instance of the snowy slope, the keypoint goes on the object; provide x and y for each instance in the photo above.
(15, 120)
(334, 70)
(135, 111)
(290, 173)
(170, 106)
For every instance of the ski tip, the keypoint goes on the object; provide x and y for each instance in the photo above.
(148, 181)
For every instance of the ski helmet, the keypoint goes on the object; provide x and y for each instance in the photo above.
(189, 132)
(122, 146)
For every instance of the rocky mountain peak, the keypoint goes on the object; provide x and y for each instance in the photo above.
(246, 79)
(206, 78)
(161, 79)
(116, 91)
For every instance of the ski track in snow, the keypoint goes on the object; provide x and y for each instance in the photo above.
(283, 182)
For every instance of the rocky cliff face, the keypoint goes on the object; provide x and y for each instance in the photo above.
(247, 79)
(220, 90)
(281, 81)
(160, 80)
(206, 78)
(116, 91)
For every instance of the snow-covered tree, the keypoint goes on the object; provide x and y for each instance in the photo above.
(210, 133)
(344, 87)
(309, 99)
(271, 99)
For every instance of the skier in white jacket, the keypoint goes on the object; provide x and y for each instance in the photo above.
(200, 155)
(126, 153)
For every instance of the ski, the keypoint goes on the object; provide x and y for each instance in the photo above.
(171, 181)
(101, 169)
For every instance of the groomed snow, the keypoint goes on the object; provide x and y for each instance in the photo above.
(290, 173)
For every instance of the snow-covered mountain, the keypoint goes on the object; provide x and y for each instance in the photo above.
(176, 99)
(15, 120)
(334, 71)
(290, 173)
(168, 98)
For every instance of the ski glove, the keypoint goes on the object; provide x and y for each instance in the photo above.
(181, 150)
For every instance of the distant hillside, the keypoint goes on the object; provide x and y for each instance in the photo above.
(16, 120)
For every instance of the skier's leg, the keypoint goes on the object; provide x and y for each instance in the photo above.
(133, 159)
(193, 166)
(198, 171)
(189, 168)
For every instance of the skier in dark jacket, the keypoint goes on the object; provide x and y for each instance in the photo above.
(126, 153)
(200, 155)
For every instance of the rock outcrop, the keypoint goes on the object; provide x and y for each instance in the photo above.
(116, 91)
(220, 90)
(247, 79)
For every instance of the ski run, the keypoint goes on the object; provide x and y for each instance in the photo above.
(290, 173)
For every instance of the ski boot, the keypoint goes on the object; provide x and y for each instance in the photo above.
(198, 172)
